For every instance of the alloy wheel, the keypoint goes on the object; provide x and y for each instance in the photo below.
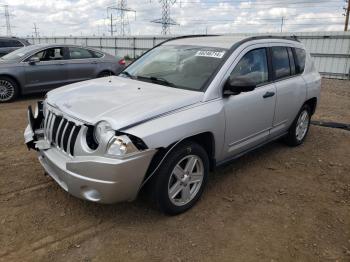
(302, 125)
(185, 180)
(7, 90)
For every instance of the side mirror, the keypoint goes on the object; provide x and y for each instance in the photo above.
(33, 60)
(237, 85)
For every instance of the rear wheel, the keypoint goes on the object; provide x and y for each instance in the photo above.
(8, 89)
(181, 178)
(300, 127)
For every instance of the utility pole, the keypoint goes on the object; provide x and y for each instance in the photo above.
(282, 23)
(36, 31)
(8, 23)
(347, 11)
(166, 21)
(111, 25)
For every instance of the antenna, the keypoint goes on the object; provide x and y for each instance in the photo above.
(166, 21)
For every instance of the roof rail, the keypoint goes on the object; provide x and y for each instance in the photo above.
(183, 37)
(292, 37)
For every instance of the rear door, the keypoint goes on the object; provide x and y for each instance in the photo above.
(50, 72)
(291, 89)
(82, 65)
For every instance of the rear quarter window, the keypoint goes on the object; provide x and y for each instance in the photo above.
(80, 53)
(299, 58)
(97, 54)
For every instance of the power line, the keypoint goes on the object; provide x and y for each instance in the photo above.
(259, 3)
(265, 19)
(241, 4)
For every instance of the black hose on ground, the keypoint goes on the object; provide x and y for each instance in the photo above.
(331, 124)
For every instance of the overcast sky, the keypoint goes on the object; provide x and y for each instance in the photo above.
(88, 17)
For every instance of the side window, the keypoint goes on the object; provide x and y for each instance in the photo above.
(16, 43)
(10, 43)
(280, 61)
(50, 54)
(5, 43)
(299, 58)
(253, 67)
(79, 53)
(97, 54)
(291, 61)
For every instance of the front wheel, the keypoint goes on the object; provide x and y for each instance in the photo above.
(180, 181)
(300, 127)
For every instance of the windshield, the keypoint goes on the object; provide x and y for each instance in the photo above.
(187, 67)
(19, 53)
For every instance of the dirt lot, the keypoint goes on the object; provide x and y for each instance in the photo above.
(275, 204)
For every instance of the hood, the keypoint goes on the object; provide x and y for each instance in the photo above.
(120, 101)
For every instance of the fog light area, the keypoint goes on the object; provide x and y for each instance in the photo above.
(90, 194)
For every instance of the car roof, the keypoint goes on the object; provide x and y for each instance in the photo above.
(46, 45)
(222, 41)
(57, 44)
(11, 37)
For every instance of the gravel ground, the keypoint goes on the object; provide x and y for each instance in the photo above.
(275, 204)
(335, 101)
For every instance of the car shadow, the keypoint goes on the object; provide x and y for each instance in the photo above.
(144, 207)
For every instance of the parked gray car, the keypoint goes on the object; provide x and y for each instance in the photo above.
(183, 108)
(38, 68)
(9, 44)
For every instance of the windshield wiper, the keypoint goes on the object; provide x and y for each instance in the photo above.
(128, 74)
(157, 80)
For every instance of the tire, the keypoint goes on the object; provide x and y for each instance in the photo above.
(8, 90)
(174, 178)
(105, 74)
(300, 127)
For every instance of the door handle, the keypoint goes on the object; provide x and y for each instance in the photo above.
(268, 94)
(94, 62)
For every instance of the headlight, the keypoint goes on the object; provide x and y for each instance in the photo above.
(102, 129)
(44, 108)
(120, 146)
(38, 116)
(36, 110)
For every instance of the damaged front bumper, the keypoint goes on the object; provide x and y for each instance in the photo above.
(102, 179)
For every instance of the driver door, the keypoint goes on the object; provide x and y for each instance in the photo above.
(249, 115)
(50, 72)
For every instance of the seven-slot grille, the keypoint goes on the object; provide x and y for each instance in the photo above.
(61, 132)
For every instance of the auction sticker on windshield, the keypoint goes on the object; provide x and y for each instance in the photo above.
(208, 53)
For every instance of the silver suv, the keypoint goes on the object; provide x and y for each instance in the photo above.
(183, 108)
